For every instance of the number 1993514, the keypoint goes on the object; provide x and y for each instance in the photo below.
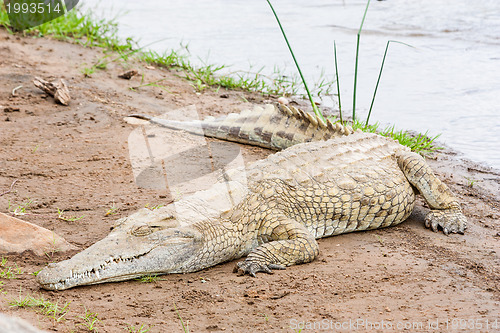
(32, 8)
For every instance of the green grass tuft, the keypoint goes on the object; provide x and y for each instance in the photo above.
(422, 144)
(46, 307)
(419, 143)
(217, 76)
(9, 272)
(61, 216)
(90, 321)
(21, 209)
(152, 278)
(141, 329)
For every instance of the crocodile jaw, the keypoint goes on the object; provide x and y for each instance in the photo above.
(131, 250)
(90, 267)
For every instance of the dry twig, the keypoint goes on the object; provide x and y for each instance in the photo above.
(14, 91)
(10, 189)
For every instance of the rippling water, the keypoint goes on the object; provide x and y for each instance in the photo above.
(448, 82)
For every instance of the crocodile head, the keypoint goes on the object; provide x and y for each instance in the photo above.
(144, 243)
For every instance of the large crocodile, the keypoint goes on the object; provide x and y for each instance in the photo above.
(347, 183)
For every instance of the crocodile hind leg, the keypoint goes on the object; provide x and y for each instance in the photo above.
(290, 244)
(445, 211)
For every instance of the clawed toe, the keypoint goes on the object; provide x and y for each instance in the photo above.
(450, 221)
(251, 268)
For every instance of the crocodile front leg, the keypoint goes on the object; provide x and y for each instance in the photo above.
(288, 243)
(445, 210)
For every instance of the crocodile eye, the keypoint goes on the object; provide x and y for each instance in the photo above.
(145, 230)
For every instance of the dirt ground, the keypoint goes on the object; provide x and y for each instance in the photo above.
(76, 158)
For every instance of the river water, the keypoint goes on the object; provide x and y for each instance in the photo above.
(447, 82)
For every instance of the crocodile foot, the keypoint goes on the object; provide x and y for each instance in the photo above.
(449, 220)
(251, 267)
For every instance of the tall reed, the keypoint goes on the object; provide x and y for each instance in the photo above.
(358, 37)
(380, 75)
(337, 79)
(317, 111)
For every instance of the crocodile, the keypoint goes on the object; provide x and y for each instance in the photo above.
(272, 212)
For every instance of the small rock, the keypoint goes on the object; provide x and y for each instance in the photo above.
(17, 236)
(11, 109)
(128, 74)
(212, 328)
(17, 325)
